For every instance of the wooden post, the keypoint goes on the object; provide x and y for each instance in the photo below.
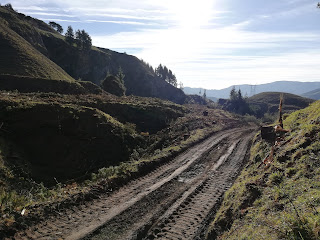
(280, 110)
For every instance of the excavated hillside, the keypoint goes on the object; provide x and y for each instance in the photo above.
(58, 151)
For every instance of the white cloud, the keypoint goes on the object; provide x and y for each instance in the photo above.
(211, 58)
(199, 52)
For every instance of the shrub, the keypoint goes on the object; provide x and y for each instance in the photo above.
(113, 85)
(275, 178)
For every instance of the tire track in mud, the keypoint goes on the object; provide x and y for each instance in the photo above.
(145, 206)
(186, 218)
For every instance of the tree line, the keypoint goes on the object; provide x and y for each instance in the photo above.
(81, 38)
(166, 74)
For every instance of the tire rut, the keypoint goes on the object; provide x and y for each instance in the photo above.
(184, 220)
(156, 193)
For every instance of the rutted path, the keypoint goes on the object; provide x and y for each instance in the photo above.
(172, 202)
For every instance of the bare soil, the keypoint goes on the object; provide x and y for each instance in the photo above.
(175, 201)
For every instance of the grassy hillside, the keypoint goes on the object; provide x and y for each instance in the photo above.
(282, 200)
(268, 102)
(19, 58)
(315, 94)
(35, 50)
(24, 65)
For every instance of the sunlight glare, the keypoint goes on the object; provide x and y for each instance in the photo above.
(189, 13)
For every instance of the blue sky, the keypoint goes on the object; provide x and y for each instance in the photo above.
(207, 43)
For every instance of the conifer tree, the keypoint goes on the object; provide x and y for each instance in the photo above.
(69, 35)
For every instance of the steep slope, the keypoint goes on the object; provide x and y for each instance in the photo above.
(268, 102)
(315, 94)
(280, 200)
(18, 57)
(92, 65)
(23, 67)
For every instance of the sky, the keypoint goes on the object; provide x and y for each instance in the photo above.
(210, 44)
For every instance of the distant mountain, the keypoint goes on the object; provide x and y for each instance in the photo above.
(34, 57)
(315, 94)
(298, 88)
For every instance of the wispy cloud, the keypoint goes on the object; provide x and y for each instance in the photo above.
(207, 43)
(50, 14)
(123, 22)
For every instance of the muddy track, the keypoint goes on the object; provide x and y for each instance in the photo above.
(175, 201)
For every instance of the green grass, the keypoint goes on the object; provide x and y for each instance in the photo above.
(266, 104)
(19, 58)
(288, 206)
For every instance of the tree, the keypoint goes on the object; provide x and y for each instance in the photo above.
(78, 39)
(56, 26)
(59, 29)
(113, 85)
(237, 103)
(9, 6)
(240, 95)
(120, 75)
(83, 40)
(69, 35)
(233, 94)
(159, 71)
(86, 40)
(166, 75)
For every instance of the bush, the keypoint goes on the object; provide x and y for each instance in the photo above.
(113, 85)
(275, 178)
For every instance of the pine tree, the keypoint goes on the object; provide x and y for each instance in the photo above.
(59, 29)
(79, 38)
(120, 75)
(233, 94)
(86, 40)
(69, 35)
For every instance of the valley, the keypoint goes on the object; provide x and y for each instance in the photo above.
(99, 145)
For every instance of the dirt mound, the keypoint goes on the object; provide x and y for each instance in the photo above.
(65, 141)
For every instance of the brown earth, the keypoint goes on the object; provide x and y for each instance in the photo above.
(175, 201)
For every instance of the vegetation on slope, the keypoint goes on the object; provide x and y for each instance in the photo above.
(91, 64)
(281, 201)
(268, 102)
(315, 94)
(19, 58)
(263, 105)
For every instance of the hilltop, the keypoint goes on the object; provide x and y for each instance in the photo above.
(264, 105)
(268, 102)
(39, 53)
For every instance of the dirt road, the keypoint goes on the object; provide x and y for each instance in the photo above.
(175, 201)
